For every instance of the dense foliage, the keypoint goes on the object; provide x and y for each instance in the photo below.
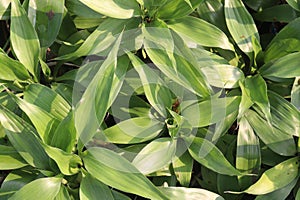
(149, 99)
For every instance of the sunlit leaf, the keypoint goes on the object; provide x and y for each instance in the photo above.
(99, 160)
(202, 32)
(10, 158)
(208, 155)
(115, 9)
(286, 172)
(241, 26)
(155, 155)
(133, 130)
(44, 188)
(24, 39)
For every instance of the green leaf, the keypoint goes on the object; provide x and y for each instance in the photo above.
(212, 11)
(115, 9)
(290, 34)
(295, 95)
(43, 188)
(279, 194)
(248, 156)
(190, 193)
(281, 48)
(208, 155)
(210, 111)
(174, 9)
(282, 13)
(44, 122)
(241, 26)
(24, 39)
(133, 130)
(4, 9)
(14, 181)
(278, 141)
(155, 155)
(284, 67)
(48, 100)
(201, 32)
(92, 189)
(183, 166)
(286, 172)
(108, 166)
(256, 88)
(46, 16)
(103, 37)
(102, 91)
(284, 115)
(65, 131)
(295, 4)
(158, 95)
(75, 7)
(223, 76)
(67, 163)
(10, 158)
(170, 54)
(24, 139)
(63, 194)
(12, 70)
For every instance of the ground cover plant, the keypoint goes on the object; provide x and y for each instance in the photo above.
(149, 99)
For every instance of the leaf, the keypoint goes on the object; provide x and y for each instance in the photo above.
(4, 9)
(67, 163)
(281, 13)
(24, 39)
(115, 9)
(281, 48)
(279, 194)
(212, 11)
(279, 142)
(256, 88)
(248, 156)
(223, 76)
(63, 194)
(44, 188)
(103, 37)
(75, 7)
(190, 193)
(99, 160)
(102, 91)
(183, 166)
(286, 172)
(12, 70)
(173, 9)
(158, 95)
(65, 131)
(284, 67)
(295, 4)
(14, 181)
(210, 111)
(92, 189)
(208, 155)
(24, 139)
(135, 130)
(170, 54)
(201, 32)
(10, 158)
(48, 100)
(284, 115)
(241, 26)
(155, 155)
(44, 122)
(295, 95)
(46, 16)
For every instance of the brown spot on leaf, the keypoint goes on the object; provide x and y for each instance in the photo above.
(50, 15)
